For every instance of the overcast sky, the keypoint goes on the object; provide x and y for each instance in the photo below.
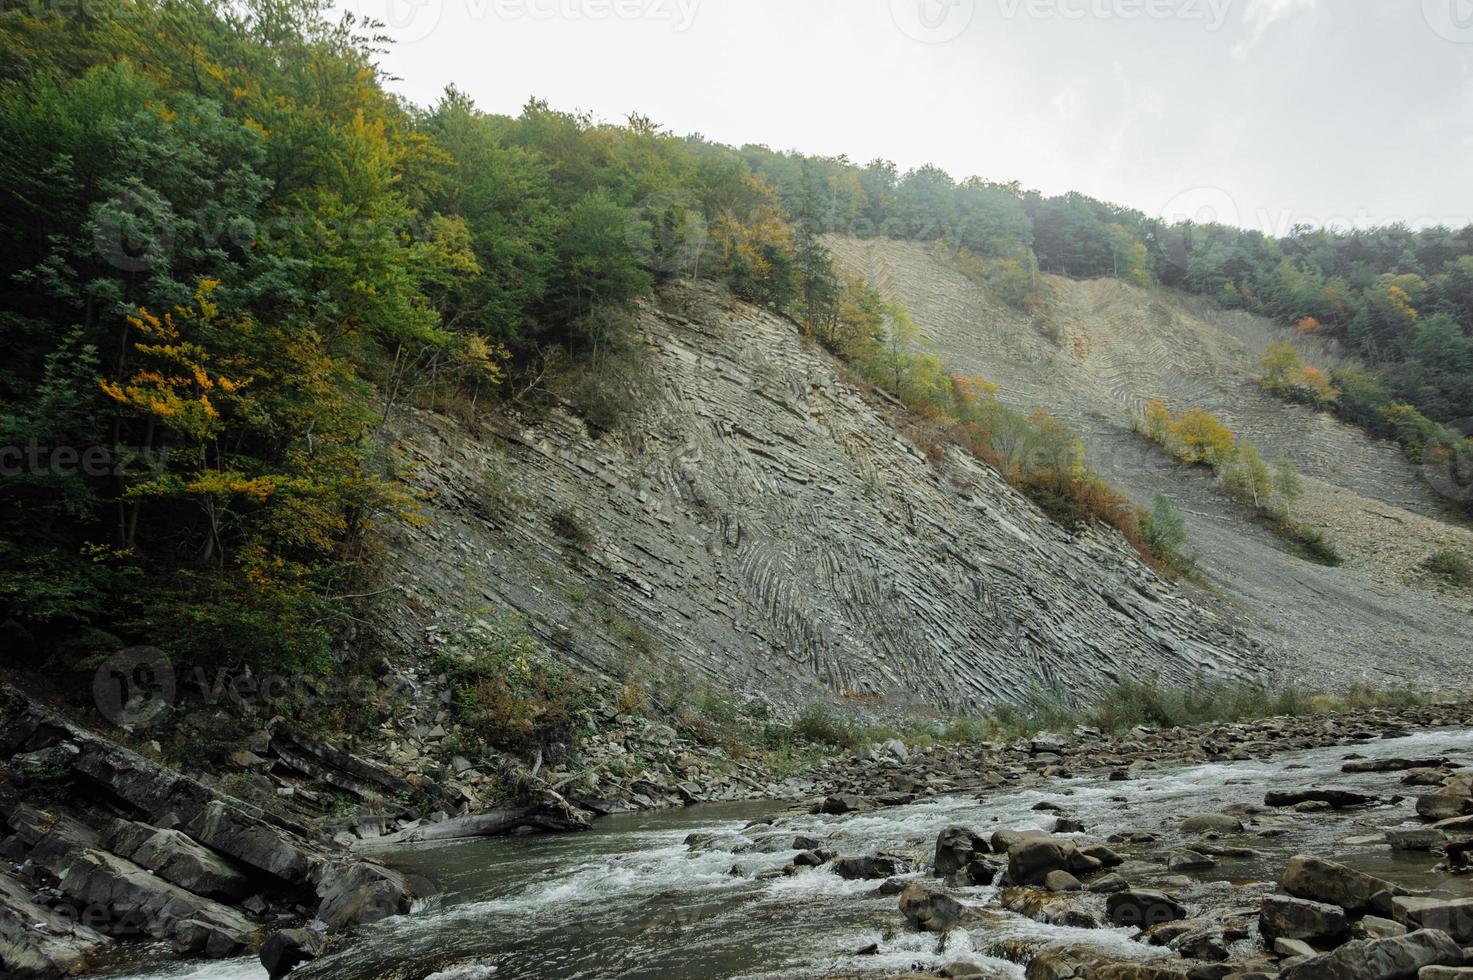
(1259, 112)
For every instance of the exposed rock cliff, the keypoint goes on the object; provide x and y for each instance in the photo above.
(1107, 349)
(761, 524)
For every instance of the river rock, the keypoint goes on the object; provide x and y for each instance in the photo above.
(874, 866)
(1143, 908)
(1453, 916)
(290, 948)
(1296, 918)
(1221, 823)
(363, 892)
(955, 849)
(1105, 884)
(839, 805)
(1421, 839)
(1187, 859)
(1380, 959)
(929, 909)
(1375, 927)
(1042, 906)
(1062, 881)
(1444, 804)
(1424, 777)
(1030, 860)
(1326, 881)
(1064, 962)
(1392, 765)
(1339, 799)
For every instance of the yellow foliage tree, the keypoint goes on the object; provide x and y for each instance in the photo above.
(1158, 423)
(1203, 438)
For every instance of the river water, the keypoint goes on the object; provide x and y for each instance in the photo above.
(631, 900)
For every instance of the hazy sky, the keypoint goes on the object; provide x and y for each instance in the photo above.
(1260, 112)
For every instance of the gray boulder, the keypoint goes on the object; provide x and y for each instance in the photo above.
(360, 893)
(1326, 881)
(175, 857)
(1143, 908)
(288, 949)
(955, 849)
(1339, 799)
(1398, 958)
(1221, 823)
(36, 942)
(929, 909)
(1283, 917)
(1453, 916)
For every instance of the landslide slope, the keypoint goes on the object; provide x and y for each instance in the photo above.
(758, 524)
(1106, 350)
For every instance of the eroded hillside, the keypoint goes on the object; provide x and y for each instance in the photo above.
(761, 525)
(1107, 349)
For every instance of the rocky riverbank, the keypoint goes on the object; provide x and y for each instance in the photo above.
(106, 848)
(1189, 894)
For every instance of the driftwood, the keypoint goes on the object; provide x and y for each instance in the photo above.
(552, 813)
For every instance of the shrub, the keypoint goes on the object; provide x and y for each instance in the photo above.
(1164, 530)
(1448, 564)
(510, 693)
(1310, 542)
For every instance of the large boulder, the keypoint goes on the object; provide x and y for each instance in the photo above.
(1283, 917)
(135, 903)
(873, 866)
(1392, 765)
(1221, 823)
(1444, 804)
(929, 909)
(229, 829)
(1453, 916)
(363, 892)
(955, 849)
(1338, 798)
(1031, 859)
(174, 857)
(1398, 958)
(36, 942)
(288, 949)
(1143, 908)
(1047, 907)
(1325, 881)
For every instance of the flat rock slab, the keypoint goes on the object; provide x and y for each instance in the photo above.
(1380, 959)
(1453, 916)
(1392, 765)
(1340, 799)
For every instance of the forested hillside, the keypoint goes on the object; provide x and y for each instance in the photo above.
(230, 256)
